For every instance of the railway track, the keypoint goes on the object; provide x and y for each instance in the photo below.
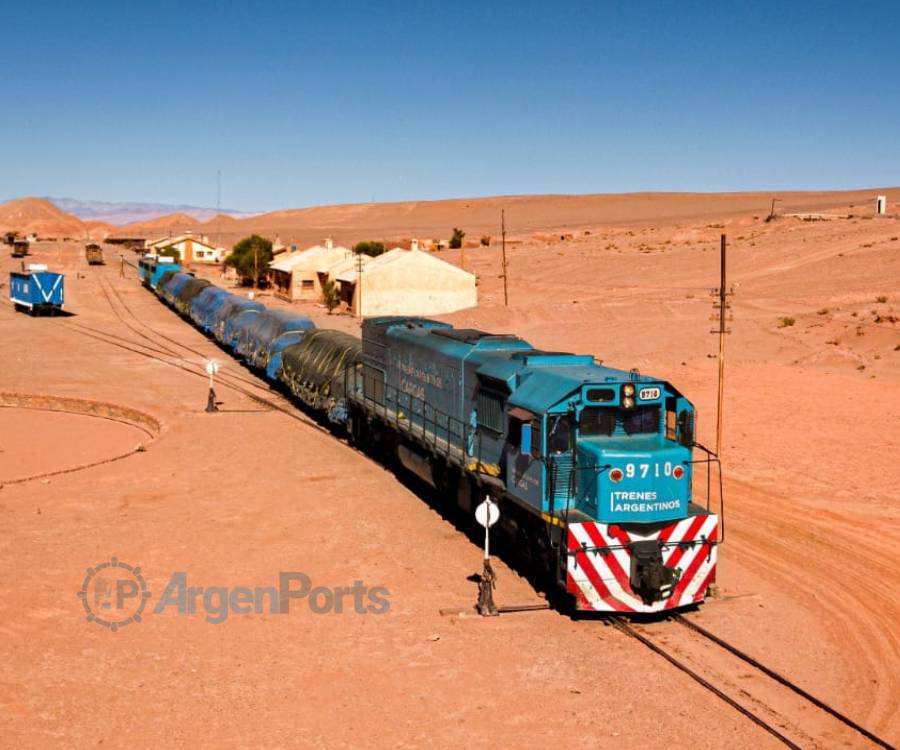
(774, 703)
(164, 353)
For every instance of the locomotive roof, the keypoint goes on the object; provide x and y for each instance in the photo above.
(539, 380)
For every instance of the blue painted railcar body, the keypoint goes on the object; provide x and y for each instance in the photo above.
(232, 306)
(276, 351)
(254, 338)
(236, 327)
(171, 289)
(205, 305)
(560, 431)
(37, 289)
(152, 268)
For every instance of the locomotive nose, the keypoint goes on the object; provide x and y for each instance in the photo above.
(642, 486)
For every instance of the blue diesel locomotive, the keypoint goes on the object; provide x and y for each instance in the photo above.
(593, 466)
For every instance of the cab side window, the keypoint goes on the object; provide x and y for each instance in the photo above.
(559, 439)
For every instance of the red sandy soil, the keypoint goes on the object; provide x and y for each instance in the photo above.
(40, 442)
(809, 570)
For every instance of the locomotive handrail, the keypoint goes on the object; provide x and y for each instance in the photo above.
(415, 420)
(712, 458)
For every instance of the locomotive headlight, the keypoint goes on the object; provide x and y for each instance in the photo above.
(628, 389)
(627, 402)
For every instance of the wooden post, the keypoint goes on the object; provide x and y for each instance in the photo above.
(359, 270)
(503, 246)
(723, 309)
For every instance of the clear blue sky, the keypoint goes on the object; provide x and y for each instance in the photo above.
(302, 103)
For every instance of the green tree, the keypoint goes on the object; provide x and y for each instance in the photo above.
(369, 247)
(250, 258)
(330, 295)
(170, 252)
(457, 239)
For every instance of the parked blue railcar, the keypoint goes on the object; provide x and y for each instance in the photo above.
(205, 305)
(187, 293)
(254, 340)
(231, 307)
(276, 351)
(236, 326)
(37, 290)
(152, 267)
(170, 290)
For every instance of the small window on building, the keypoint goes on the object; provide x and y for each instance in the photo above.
(307, 285)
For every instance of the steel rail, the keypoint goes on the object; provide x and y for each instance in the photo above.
(626, 628)
(743, 656)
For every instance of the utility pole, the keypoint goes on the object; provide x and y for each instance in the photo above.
(218, 207)
(255, 264)
(722, 306)
(503, 246)
(359, 271)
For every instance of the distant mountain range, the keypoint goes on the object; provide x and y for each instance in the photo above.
(130, 212)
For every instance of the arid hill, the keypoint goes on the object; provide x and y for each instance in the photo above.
(525, 215)
(38, 216)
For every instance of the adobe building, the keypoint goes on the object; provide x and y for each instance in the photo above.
(406, 282)
(190, 249)
(300, 275)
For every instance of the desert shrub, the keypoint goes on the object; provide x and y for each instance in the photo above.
(486, 240)
(822, 311)
(457, 239)
(881, 299)
(330, 295)
(786, 322)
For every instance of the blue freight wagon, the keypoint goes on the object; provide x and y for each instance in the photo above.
(37, 290)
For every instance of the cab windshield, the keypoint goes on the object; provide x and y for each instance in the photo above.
(597, 420)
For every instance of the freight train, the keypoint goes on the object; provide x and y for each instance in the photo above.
(592, 466)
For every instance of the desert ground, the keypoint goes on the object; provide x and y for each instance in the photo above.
(808, 574)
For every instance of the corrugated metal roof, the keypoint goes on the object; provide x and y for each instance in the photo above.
(310, 255)
(398, 254)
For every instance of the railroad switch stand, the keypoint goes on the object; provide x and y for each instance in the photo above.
(486, 606)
